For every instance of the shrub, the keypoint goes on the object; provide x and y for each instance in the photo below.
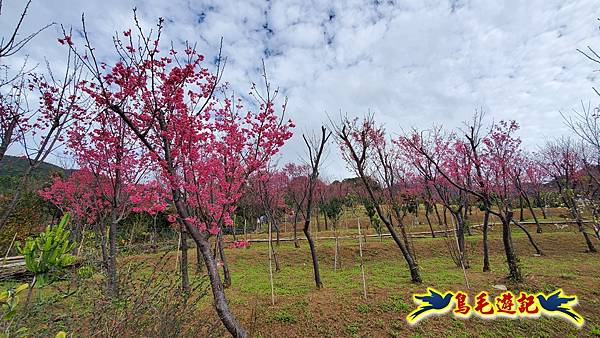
(49, 252)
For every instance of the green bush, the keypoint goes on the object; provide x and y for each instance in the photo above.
(49, 252)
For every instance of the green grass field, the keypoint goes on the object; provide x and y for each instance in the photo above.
(339, 309)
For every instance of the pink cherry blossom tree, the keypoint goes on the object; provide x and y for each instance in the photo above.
(488, 160)
(95, 200)
(563, 162)
(295, 196)
(102, 144)
(14, 112)
(423, 150)
(40, 126)
(35, 109)
(203, 146)
(269, 187)
(526, 175)
(367, 152)
(77, 195)
(503, 157)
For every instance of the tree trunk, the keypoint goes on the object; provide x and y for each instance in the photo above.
(486, 255)
(542, 205)
(544, 212)
(275, 259)
(445, 216)
(511, 257)
(521, 217)
(296, 243)
(276, 232)
(220, 302)
(199, 260)
(577, 216)
(104, 246)
(588, 240)
(233, 229)
(437, 214)
(183, 268)
(429, 220)
(538, 228)
(9, 126)
(77, 236)
(535, 246)
(412, 265)
(154, 234)
(318, 222)
(337, 249)
(113, 282)
(403, 245)
(405, 238)
(313, 253)
(226, 273)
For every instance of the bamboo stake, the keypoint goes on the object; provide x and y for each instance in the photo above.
(10, 247)
(271, 265)
(362, 265)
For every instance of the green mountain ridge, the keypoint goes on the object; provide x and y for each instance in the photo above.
(13, 166)
(12, 169)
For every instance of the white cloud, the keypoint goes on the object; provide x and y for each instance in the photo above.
(413, 62)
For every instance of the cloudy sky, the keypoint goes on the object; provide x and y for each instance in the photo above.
(413, 63)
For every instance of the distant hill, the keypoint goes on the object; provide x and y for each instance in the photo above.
(12, 168)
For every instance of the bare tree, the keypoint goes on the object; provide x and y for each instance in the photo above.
(315, 147)
(483, 160)
(563, 162)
